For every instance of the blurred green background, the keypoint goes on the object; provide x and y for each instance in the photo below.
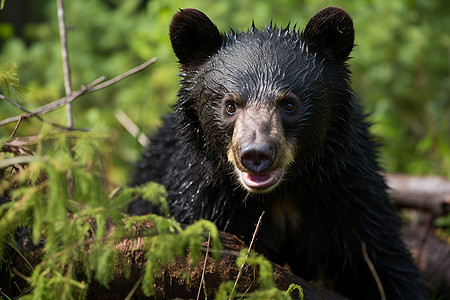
(400, 68)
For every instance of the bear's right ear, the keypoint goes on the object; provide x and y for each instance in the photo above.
(193, 36)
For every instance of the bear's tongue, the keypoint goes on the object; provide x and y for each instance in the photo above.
(260, 180)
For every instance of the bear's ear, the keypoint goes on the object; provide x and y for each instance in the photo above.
(330, 32)
(193, 36)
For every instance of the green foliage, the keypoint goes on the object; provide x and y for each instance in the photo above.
(171, 242)
(401, 72)
(444, 222)
(268, 288)
(156, 194)
(62, 201)
(42, 204)
(294, 287)
(400, 68)
(60, 197)
(9, 82)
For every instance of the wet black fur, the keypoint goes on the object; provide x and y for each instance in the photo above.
(335, 187)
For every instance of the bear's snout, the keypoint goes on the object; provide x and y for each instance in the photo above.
(256, 157)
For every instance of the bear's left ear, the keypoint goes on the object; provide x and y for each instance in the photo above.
(330, 32)
(193, 36)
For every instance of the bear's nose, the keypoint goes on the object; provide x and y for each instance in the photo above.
(256, 157)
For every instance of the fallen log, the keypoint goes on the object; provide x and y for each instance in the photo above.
(172, 283)
(432, 255)
(428, 193)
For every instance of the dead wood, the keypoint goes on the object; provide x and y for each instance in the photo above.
(172, 282)
(432, 255)
(430, 196)
(429, 193)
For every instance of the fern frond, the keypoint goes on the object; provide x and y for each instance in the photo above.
(9, 81)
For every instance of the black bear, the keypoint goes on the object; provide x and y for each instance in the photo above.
(266, 120)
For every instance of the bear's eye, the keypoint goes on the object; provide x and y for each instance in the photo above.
(289, 107)
(231, 109)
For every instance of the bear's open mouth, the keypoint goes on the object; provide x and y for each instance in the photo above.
(261, 182)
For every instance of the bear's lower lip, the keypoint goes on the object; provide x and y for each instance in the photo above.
(261, 181)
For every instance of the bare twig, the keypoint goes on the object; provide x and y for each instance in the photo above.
(129, 125)
(202, 280)
(67, 82)
(18, 273)
(19, 253)
(3, 97)
(47, 107)
(65, 60)
(25, 159)
(124, 75)
(29, 114)
(135, 287)
(21, 142)
(248, 252)
(373, 271)
(15, 128)
(92, 87)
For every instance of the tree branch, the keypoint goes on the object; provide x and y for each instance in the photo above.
(123, 76)
(248, 252)
(92, 87)
(65, 60)
(30, 114)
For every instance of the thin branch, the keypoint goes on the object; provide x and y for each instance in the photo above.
(135, 287)
(248, 252)
(202, 280)
(65, 59)
(18, 273)
(123, 76)
(31, 114)
(92, 87)
(15, 128)
(373, 271)
(25, 159)
(20, 254)
(3, 97)
(47, 107)
(129, 125)
(67, 83)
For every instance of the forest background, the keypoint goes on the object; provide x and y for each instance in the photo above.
(400, 68)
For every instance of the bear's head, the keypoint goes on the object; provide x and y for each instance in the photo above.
(262, 100)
